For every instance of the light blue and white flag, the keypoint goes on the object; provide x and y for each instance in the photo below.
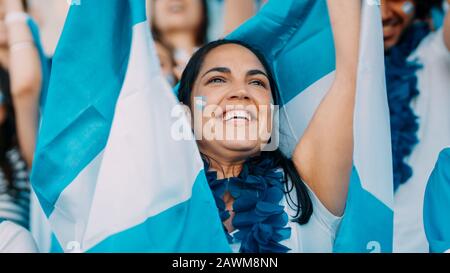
(107, 171)
(296, 37)
(436, 205)
(39, 226)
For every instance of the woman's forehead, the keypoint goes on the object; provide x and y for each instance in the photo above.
(232, 56)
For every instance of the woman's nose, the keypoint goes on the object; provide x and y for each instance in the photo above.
(239, 93)
(385, 10)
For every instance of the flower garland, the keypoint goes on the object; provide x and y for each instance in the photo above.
(401, 80)
(259, 218)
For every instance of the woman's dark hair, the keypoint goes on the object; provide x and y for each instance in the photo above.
(424, 7)
(303, 204)
(201, 35)
(25, 4)
(8, 138)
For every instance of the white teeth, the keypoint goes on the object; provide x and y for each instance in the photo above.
(237, 114)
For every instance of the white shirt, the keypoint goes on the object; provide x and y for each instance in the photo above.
(433, 108)
(15, 239)
(317, 236)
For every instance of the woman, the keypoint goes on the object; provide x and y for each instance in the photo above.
(267, 202)
(20, 84)
(182, 24)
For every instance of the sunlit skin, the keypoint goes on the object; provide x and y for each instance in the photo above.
(397, 17)
(232, 78)
(228, 84)
(3, 37)
(24, 69)
(177, 20)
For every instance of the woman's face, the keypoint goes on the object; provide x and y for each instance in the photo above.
(177, 15)
(397, 16)
(231, 104)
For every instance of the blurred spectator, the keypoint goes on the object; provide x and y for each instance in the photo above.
(182, 23)
(20, 86)
(166, 58)
(417, 62)
(186, 24)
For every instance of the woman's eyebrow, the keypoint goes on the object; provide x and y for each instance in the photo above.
(218, 69)
(254, 72)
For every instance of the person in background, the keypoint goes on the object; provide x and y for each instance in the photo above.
(20, 86)
(436, 205)
(167, 61)
(417, 59)
(184, 24)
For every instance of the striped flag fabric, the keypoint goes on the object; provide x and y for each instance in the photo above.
(296, 38)
(109, 175)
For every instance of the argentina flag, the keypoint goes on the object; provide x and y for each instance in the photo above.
(437, 201)
(107, 171)
(297, 39)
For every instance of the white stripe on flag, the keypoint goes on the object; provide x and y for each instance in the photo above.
(133, 171)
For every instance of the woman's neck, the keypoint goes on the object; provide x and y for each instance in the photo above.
(181, 41)
(225, 168)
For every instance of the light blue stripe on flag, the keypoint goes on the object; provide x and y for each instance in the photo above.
(296, 38)
(109, 173)
(45, 61)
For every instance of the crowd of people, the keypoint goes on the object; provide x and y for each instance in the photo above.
(417, 61)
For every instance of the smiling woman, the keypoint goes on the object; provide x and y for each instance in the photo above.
(399, 14)
(236, 83)
(267, 202)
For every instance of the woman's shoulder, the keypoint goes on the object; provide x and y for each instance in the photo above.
(321, 221)
(316, 236)
(15, 239)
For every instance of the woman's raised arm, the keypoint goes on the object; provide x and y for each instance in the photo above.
(26, 77)
(324, 155)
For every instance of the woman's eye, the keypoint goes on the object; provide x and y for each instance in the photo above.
(258, 83)
(216, 80)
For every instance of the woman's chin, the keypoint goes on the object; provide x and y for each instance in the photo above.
(242, 145)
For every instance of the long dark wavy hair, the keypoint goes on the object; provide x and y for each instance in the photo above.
(201, 37)
(8, 136)
(424, 7)
(303, 204)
